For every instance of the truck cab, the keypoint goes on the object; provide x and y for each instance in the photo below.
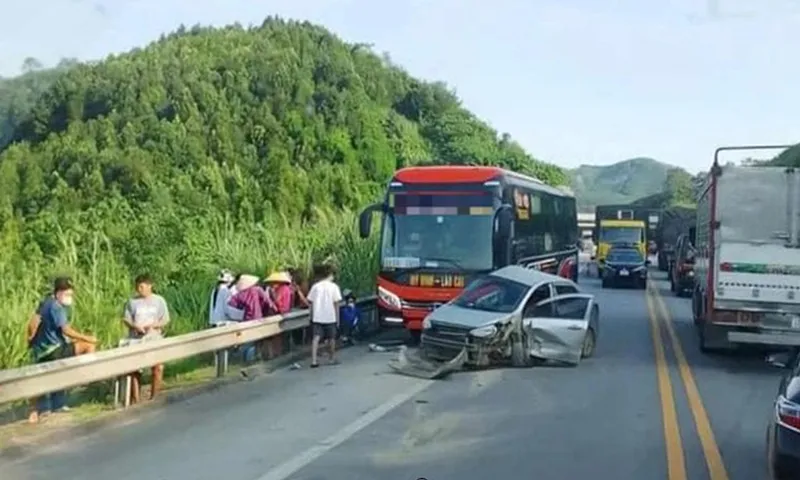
(620, 232)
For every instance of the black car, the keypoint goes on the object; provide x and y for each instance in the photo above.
(625, 266)
(783, 432)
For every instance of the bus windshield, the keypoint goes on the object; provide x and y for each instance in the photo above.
(621, 234)
(457, 238)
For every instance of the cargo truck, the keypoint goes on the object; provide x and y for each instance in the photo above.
(747, 263)
(675, 221)
(650, 216)
(622, 225)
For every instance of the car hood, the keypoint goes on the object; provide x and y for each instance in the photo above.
(466, 317)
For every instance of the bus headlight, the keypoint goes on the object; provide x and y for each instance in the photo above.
(389, 298)
(484, 332)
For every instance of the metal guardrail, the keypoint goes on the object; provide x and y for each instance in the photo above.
(34, 380)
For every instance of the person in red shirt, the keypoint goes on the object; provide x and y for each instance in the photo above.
(256, 304)
(279, 287)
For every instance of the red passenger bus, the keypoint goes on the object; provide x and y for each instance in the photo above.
(443, 226)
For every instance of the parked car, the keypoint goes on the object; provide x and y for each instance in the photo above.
(625, 266)
(783, 432)
(515, 315)
(681, 269)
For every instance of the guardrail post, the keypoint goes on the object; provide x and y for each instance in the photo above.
(221, 362)
(122, 391)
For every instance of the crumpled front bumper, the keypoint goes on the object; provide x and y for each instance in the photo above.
(417, 364)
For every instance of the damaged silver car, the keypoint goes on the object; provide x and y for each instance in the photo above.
(515, 315)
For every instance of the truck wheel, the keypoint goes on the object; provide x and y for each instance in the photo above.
(701, 338)
(520, 353)
(706, 347)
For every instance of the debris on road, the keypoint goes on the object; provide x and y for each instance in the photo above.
(416, 365)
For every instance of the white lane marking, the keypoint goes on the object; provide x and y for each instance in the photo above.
(291, 466)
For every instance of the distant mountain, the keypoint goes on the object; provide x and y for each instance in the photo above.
(621, 182)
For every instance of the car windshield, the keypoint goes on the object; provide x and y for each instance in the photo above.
(621, 234)
(453, 239)
(492, 294)
(627, 255)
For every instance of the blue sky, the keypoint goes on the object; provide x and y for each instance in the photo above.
(574, 81)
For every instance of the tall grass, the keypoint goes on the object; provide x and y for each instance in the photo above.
(104, 282)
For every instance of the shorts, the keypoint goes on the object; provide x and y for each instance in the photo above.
(326, 331)
(66, 350)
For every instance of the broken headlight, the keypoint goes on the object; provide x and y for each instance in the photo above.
(484, 332)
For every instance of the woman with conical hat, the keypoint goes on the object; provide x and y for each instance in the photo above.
(253, 301)
(279, 286)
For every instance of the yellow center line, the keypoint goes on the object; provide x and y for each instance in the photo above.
(676, 465)
(716, 467)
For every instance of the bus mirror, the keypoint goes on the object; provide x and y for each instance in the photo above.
(365, 219)
(504, 220)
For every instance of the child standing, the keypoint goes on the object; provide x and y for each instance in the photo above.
(349, 315)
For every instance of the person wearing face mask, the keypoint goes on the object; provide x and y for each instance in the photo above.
(51, 337)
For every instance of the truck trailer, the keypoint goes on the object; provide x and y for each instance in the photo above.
(675, 221)
(747, 264)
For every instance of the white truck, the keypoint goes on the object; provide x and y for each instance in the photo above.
(747, 269)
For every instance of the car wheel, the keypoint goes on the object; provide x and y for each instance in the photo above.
(414, 337)
(520, 353)
(589, 344)
(643, 286)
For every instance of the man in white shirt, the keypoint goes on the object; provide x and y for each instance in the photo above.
(325, 298)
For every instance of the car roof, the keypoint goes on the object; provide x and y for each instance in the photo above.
(526, 276)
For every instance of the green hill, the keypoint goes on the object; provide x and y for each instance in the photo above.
(233, 147)
(621, 182)
(787, 158)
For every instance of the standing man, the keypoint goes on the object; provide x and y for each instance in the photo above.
(51, 337)
(146, 315)
(325, 298)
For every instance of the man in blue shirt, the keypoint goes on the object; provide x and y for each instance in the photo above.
(51, 338)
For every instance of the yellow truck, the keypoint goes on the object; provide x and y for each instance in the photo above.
(610, 232)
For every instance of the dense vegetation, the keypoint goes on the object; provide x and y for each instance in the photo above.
(680, 188)
(787, 158)
(619, 183)
(234, 147)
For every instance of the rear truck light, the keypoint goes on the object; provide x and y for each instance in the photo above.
(389, 299)
(788, 413)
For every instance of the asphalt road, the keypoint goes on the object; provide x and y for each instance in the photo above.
(613, 417)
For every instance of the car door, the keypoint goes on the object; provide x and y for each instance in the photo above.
(557, 326)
